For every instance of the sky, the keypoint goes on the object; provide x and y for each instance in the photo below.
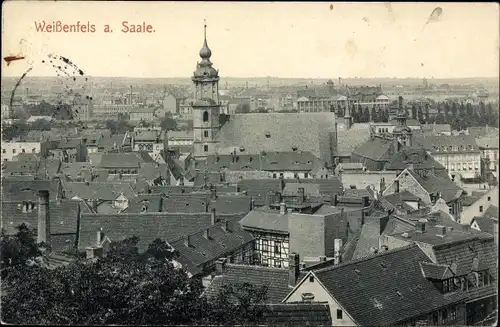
(250, 39)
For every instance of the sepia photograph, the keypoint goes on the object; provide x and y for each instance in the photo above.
(217, 163)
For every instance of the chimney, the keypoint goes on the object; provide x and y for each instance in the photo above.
(301, 196)
(252, 204)
(322, 258)
(187, 241)
(219, 265)
(293, 269)
(396, 186)
(43, 231)
(227, 227)
(366, 201)
(213, 192)
(441, 230)
(373, 250)
(420, 225)
(382, 184)
(433, 170)
(362, 217)
(206, 233)
(337, 246)
(383, 248)
(335, 200)
(213, 217)
(282, 208)
(495, 232)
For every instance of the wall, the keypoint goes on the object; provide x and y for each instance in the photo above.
(320, 294)
(367, 178)
(11, 149)
(307, 234)
(465, 164)
(233, 176)
(407, 182)
(473, 210)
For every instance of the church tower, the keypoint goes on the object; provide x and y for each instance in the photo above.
(206, 105)
(402, 132)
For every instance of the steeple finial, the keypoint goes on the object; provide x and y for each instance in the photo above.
(205, 52)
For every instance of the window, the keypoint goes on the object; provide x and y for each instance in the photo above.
(274, 175)
(205, 133)
(453, 313)
(23, 151)
(480, 208)
(339, 314)
(205, 116)
(13, 150)
(445, 315)
(445, 286)
(311, 279)
(277, 247)
(205, 148)
(4, 151)
(306, 175)
(489, 198)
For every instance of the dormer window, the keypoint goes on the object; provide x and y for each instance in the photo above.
(268, 135)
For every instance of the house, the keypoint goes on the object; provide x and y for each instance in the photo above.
(302, 313)
(69, 150)
(200, 250)
(480, 206)
(375, 152)
(489, 147)
(401, 294)
(485, 224)
(347, 137)
(459, 154)
(121, 163)
(18, 191)
(471, 257)
(101, 197)
(61, 216)
(11, 149)
(278, 281)
(429, 188)
(150, 139)
(281, 228)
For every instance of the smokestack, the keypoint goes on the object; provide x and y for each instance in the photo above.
(213, 217)
(337, 258)
(293, 269)
(396, 186)
(43, 231)
(301, 195)
(282, 208)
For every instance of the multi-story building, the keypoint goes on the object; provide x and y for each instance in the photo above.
(150, 139)
(111, 111)
(459, 154)
(144, 114)
(11, 149)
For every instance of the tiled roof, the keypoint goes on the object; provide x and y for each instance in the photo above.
(291, 189)
(69, 143)
(431, 235)
(434, 271)
(63, 216)
(433, 184)
(443, 142)
(231, 203)
(487, 142)
(240, 161)
(397, 202)
(149, 203)
(98, 191)
(350, 139)
(327, 187)
(259, 188)
(368, 238)
(486, 224)
(289, 161)
(492, 212)
(417, 157)
(275, 279)
(18, 177)
(220, 243)
(167, 189)
(376, 149)
(167, 226)
(266, 219)
(280, 132)
(186, 202)
(463, 254)
(28, 190)
(120, 160)
(357, 193)
(298, 314)
(399, 292)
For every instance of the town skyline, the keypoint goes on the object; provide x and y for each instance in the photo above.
(376, 40)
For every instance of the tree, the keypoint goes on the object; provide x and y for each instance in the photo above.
(168, 123)
(440, 119)
(446, 109)
(242, 108)
(126, 288)
(15, 130)
(16, 250)
(454, 109)
(118, 126)
(373, 115)
(420, 116)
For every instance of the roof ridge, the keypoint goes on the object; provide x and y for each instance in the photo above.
(434, 264)
(399, 249)
(235, 265)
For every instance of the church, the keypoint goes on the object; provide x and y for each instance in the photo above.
(252, 133)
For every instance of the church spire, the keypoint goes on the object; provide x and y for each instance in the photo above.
(205, 52)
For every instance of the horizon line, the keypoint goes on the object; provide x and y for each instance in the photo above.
(264, 77)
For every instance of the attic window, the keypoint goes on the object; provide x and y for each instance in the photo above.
(294, 148)
(242, 149)
(268, 135)
(311, 279)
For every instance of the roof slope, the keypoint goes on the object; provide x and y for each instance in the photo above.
(298, 314)
(399, 292)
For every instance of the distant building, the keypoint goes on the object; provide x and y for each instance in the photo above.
(142, 114)
(11, 149)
